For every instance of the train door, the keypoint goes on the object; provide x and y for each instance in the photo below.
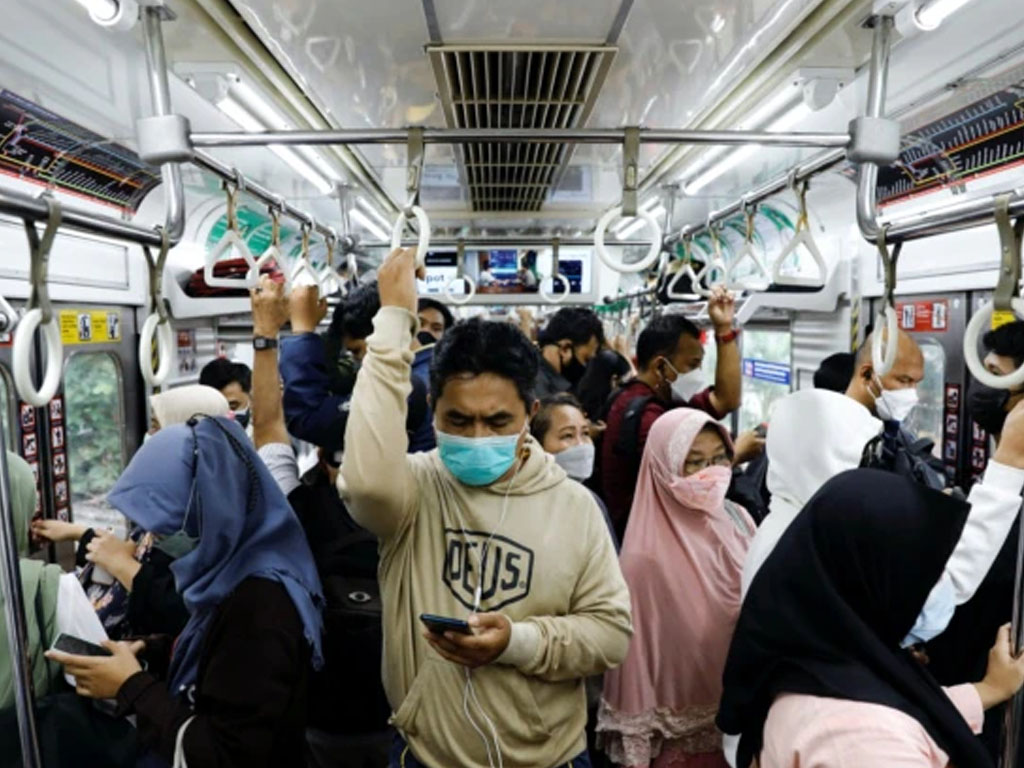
(937, 322)
(78, 444)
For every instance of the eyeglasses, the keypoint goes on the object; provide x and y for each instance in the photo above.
(691, 467)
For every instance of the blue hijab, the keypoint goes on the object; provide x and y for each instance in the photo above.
(206, 481)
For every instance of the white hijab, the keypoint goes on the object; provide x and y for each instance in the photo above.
(814, 435)
(176, 406)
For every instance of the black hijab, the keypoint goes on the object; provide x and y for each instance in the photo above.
(826, 613)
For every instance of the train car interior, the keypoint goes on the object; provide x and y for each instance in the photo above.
(837, 172)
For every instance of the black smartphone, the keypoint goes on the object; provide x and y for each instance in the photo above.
(441, 624)
(78, 647)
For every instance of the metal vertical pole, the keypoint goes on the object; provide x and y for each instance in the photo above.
(867, 208)
(1015, 707)
(17, 628)
(160, 91)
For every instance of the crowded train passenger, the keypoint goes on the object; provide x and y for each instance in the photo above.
(835, 372)
(960, 653)
(235, 693)
(669, 357)
(234, 381)
(469, 531)
(571, 338)
(129, 582)
(435, 318)
(319, 373)
(819, 673)
(562, 429)
(54, 600)
(605, 373)
(682, 559)
(347, 711)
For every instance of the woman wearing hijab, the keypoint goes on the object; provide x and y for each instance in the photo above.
(129, 581)
(682, 558)
(817, 674)
(54, 600)
(239, 670)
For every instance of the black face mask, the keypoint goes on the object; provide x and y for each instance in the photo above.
(426, 338)
(988, 407)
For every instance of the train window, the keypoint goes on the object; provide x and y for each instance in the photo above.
(767, 373)
(925, 420)
(95, 430)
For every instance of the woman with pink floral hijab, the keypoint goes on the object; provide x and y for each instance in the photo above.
(682, 557)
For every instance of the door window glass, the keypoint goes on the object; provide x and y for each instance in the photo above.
(767, 374)
(925, 420)
(95, 429)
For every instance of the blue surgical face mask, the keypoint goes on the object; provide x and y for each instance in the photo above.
(478, 461)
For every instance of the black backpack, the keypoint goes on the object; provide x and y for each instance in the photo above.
(346, 696)
(897, 450)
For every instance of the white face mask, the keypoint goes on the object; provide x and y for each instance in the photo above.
(577, 461)
(894, 404)
(688, 385)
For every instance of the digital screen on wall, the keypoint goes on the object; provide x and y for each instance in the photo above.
(508, 275)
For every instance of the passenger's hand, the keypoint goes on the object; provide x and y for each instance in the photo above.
(57, 530)
(721, 309)
(270, 310)
(396, 279)
(749, 445)
(101, 677)
(115, 555)
(1010, 450)
(307, 308)
(491, 633)
(1005, 674)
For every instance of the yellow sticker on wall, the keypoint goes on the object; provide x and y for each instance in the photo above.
(90, 326)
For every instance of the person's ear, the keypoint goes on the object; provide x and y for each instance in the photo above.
(866, 372)
(533, 410)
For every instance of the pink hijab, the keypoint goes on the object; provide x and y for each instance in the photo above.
(683, 563)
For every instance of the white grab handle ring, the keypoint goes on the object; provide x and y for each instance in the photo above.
(465, 298)
(230, 240)
(164, 335)
(20, 358)
(555, 298)
(686, 271)
(424, 243)
(881, 361)
(751, 283)
(982, 318)
(618, 266)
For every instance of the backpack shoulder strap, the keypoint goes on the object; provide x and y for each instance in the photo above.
(628, 444)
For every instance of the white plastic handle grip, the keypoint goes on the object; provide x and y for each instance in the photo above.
(981, 320)
(272, 252)
(21, 354)
(618, 266)
(464, 298)
(230, 240)
(555, 298)
(686, 271)
(806, 239)
(164, 335)
(881, 361)
(751, 282)
(424, 243)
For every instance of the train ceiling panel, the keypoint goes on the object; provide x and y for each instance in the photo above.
(517, 87)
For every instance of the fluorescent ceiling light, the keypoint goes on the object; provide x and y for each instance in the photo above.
(639, 223)
(797, 113)
(932, 13)
(370, 225)
(100, 10)
(367, 206)
(252, 124)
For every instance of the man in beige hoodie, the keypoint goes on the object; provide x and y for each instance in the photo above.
(486, 528)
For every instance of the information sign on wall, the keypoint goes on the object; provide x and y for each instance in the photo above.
(776, 373)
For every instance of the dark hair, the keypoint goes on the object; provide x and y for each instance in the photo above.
(353, 317)
(446, 314)
(835, 372)
(661, 337)
(577, 324)
(480, 346)
(596, 385)
(1007, 341)
(540, 424)
(221, 372)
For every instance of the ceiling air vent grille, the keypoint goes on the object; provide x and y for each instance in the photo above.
(517, 87)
